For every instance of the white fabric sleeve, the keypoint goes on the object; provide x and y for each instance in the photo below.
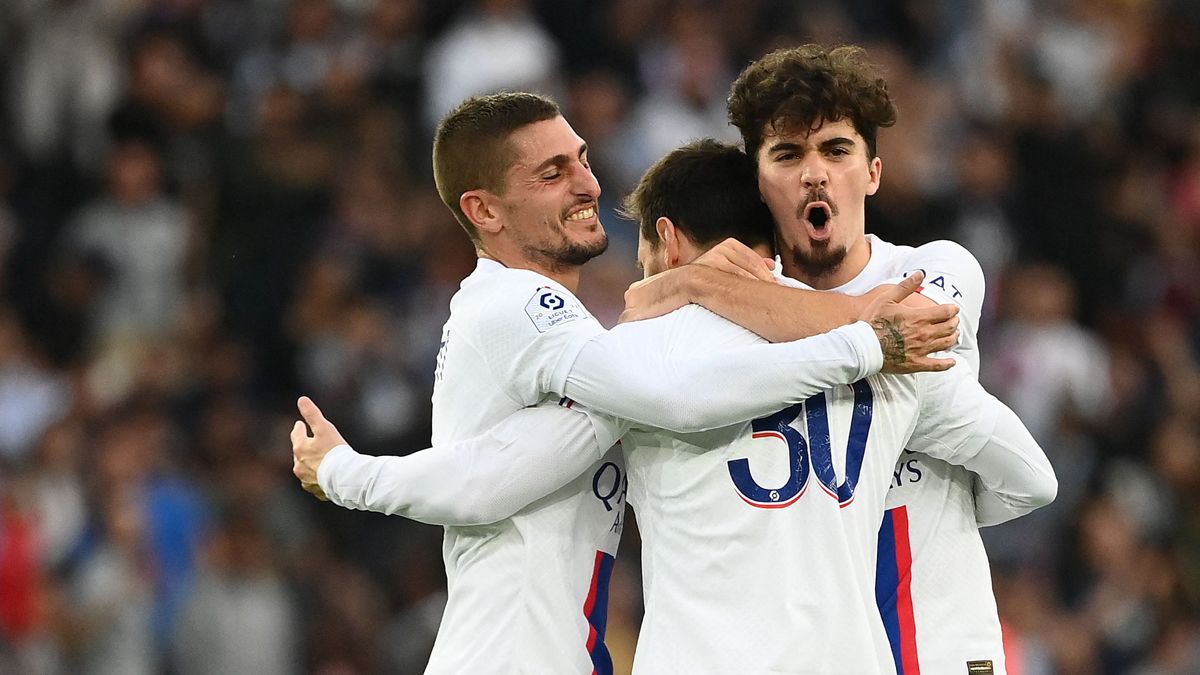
(527, 456)
(961, 423)
(952, 276)
(633, 372)
(528, 330)
(1014, 475)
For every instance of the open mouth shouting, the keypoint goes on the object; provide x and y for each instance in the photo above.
(816, 216)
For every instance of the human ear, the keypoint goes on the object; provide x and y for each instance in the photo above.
(668, 238)
(482, 209)
(875, 170)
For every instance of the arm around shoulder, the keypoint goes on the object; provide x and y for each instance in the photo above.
(640, 372)
(527, 456)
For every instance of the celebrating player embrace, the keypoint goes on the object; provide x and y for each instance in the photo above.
(760, 472)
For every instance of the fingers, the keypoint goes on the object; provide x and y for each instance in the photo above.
(734, 257)
(932, 323)
(940, 329)
(737, 270)
(299, 433)
(301, 472)
(931, 365)
(905, 288)
(919, 364)
(308, 480)
(310, 412)
(935, 313)
(760, 267)
(655, 296)
(750, 268)
(944, 344)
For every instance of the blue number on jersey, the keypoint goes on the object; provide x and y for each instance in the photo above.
(856, 445)
(803, 460)
(778, 425)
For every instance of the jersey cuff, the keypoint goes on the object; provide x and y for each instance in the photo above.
(607, 429)
(865, 343)
(328, 468)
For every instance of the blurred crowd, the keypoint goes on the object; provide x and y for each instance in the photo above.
(208, 207)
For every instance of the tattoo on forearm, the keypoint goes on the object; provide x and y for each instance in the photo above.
(891, 339)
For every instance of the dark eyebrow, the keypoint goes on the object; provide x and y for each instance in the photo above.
(792, 146)
(559, 160)
(834, 142)
(784, 145)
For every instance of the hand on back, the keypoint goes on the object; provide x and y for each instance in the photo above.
(910, 327)
(670, 290)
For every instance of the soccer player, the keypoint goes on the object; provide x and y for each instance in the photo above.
(809, 116)
(742, 578)
(528, 593)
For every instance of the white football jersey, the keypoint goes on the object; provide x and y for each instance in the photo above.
(527, 594)
(759, 539)
(934, 585)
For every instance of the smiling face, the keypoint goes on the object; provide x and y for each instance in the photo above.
(816, 184)
(548, 206)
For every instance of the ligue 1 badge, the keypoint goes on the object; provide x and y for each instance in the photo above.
(549, 308)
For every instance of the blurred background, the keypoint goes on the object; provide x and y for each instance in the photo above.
(208, 207)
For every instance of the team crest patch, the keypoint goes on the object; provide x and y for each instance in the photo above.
(549, 308)
(980, 667)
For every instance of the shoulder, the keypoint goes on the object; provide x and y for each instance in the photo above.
(511, 300)
(498, 291)
(945, 255)
(700, 327)
(951, 271)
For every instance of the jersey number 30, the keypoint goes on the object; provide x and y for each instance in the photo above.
(813, 456)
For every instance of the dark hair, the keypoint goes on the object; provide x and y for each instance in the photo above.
(802, 87)
(471, 149)
(709, 190)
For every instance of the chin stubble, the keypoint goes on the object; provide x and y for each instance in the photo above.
(567, 254)
(822, 260)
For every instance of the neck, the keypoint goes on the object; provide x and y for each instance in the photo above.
(567, 275)
(852, 265)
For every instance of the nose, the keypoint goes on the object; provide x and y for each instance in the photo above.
(585, 182)
(813, 175)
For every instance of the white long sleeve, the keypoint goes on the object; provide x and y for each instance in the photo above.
(634, 373)
(963, 424)
(1014, 474)
(484, 479)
